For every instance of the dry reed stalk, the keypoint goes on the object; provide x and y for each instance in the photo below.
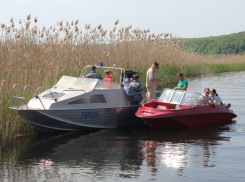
(28, 17)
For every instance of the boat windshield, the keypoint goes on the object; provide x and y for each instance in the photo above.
(181, 97)
(86, 83)
(66, 81)
(102, 85)
(166, 95)
(177, 96)
(193, 98)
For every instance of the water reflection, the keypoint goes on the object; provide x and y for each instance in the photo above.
(192, 147)
(99, 155)
(115, 154)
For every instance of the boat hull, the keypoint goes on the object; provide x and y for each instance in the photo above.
(187, 121)
(81, 119)
(185, 117)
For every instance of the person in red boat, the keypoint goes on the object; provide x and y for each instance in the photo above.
(215, 97)
(109, 75)
(205, 98)
(183, 83)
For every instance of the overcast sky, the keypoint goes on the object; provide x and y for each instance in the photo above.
(183, 18)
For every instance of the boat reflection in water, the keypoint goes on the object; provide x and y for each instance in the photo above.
(118, 154)
(180, 149)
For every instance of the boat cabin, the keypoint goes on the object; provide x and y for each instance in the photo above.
(79, 92)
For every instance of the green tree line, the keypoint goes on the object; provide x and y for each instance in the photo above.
(224, 44)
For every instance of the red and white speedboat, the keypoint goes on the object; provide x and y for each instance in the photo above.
(176, 108)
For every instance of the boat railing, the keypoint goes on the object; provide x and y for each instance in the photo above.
(36, 93)
(15, 96)
(25, 95)
(30, 86)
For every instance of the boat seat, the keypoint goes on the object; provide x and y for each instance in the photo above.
(161, 107)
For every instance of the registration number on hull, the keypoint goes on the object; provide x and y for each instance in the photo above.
(88, 115)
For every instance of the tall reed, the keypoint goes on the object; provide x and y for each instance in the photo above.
(37, 56)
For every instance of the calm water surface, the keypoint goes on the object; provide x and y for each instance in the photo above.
(211, 153)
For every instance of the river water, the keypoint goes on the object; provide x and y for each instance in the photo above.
(210, 153)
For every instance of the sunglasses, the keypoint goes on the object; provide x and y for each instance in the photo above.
(207, 92)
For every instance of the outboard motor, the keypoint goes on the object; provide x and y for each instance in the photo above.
(228, 105)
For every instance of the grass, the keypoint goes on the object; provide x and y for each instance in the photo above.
(40, 56)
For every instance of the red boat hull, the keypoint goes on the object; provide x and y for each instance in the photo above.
(184, 116)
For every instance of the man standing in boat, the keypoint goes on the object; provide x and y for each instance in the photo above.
(183, 83)
(151, 81)
(94, 74)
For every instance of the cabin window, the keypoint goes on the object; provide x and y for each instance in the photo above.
(91, 99)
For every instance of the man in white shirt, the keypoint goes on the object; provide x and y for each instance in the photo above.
(206, 99)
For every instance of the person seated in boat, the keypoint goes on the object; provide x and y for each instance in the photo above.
(94, 74)
(109, 74)
(131, 79)
(205, 98)
(127, 81)
(217, 100)
(183, 83)
(135, 91)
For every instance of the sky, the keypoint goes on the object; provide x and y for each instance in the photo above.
(182, 18)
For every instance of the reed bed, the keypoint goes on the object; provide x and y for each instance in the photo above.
(37, 56)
